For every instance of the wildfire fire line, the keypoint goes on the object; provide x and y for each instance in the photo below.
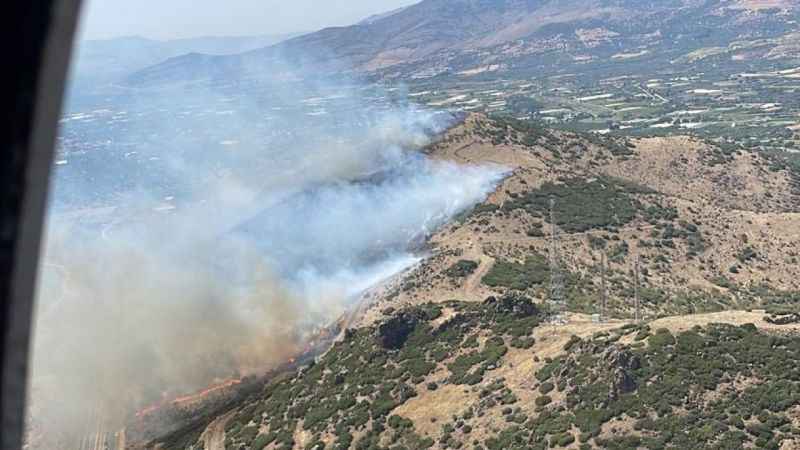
(149, 424)
(192, 398)
(320, 336)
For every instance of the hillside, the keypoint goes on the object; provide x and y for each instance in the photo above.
(714, 228)
(493, 375)
(460, 352)
(510, 37)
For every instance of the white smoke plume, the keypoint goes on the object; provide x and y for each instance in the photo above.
(196, 234)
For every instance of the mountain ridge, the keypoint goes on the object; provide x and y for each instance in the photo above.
(460, 34)
(104, 60)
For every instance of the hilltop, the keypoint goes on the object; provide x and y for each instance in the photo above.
(714, 227)
(460, 352)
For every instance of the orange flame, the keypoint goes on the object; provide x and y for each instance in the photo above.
(202, 394)
(316, 337)
(189, 398)
(149, 410)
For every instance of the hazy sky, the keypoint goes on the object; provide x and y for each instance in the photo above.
(165, 19)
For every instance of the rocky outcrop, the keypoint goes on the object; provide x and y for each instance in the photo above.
(394, 332)
(516, 305)
(782, 319)
(622, 363)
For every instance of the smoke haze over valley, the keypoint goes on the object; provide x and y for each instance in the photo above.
(198, 235)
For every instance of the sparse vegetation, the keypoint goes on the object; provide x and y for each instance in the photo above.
(507, 130)
(354, 388)
(462, 268)
(534, 271)
(582, 205)
(672, 372)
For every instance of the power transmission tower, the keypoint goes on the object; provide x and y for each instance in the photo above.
(556, 278)
(637, 316)
(603, 291)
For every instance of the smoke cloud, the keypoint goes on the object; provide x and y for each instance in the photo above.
(200, 233)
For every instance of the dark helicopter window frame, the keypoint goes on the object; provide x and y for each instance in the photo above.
(38, 36)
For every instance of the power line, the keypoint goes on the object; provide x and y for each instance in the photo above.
(603, 291)
(557, 305)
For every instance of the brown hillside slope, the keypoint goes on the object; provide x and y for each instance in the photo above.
(713, 230)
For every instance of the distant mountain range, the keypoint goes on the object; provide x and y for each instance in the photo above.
(107, 59)
(473, 37)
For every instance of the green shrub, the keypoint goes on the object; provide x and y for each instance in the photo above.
(662, 338)
(261, 441)
(462, 268)
(746, 254)
(582, 204)
(564, 440)
(534, 271)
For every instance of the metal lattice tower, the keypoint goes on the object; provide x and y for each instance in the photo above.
(637, 315)
(603, 291)
(557, 304)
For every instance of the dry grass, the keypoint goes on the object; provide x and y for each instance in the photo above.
(431, 409)
(682, 323)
